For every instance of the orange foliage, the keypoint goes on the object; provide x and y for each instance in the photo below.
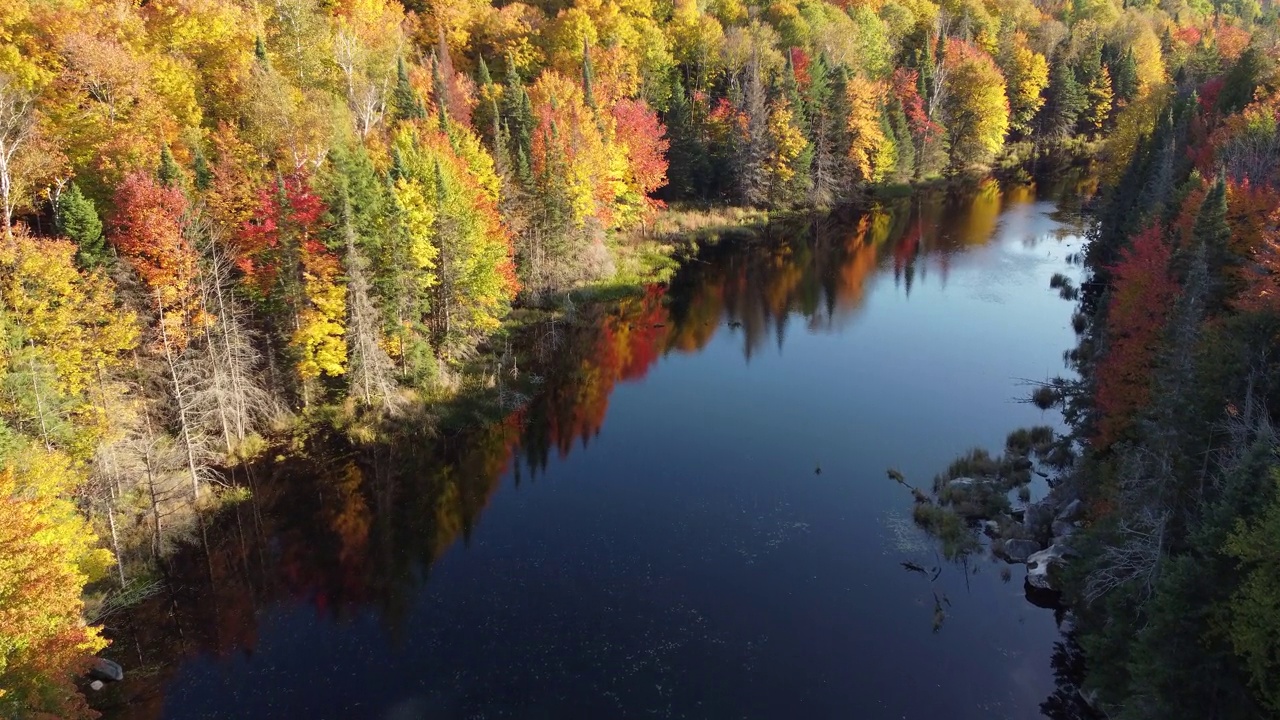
(148, 231)
(1231, 41)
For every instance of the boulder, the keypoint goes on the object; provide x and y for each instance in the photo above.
(1038, 517)
(1073, 511)
(1019, 551)
(107, 670)
(1039, 565)
(1062, 530)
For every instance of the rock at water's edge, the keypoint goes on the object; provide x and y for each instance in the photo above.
(1039, 564)
(1019, 551)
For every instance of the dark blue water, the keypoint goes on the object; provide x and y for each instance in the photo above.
(692, 521)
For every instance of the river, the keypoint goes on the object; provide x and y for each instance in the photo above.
(689, 518)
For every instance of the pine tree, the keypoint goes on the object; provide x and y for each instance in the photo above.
(588, 76)
(77, 218)
(822, 124)
(903, 142)
(200, 168)
(260, 53)
(169, 173)
(405, 103)
(1125, 77)
(684, 153)
(517, 114)
(1067, 101)
(1212, 231)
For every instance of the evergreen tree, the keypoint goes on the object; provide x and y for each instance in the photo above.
(1241, 81)
(201, 170)
(1067, 102)
(169, 173)
(685, 153)
(77, 218)
(823, 126)
(588, 76)
(405, 103)
(1212, 231)
(517, 115)
(1124, 78)
(903, 142)
(260, 52)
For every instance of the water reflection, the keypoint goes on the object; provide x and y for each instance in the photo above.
(351, 535)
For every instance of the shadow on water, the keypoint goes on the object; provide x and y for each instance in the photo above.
(352, 534)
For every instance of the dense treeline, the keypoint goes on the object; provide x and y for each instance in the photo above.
(217, 214)
(1177, 589)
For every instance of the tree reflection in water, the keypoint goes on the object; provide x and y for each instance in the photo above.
(355, 531)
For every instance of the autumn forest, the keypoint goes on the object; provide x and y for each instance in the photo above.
(227, 224)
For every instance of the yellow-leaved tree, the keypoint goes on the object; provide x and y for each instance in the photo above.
(47, 554)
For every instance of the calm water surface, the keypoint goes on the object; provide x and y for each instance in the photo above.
(650, 535)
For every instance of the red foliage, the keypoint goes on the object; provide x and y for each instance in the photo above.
(1143, 291)
(644, 135)
(800, 62)
(1209, 93)
(290, 209)
(904, 85)
(1188, 36)
(147, 229)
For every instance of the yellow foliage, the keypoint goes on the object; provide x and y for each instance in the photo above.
(319, 337)
(866, 133)
(72, 318)
(49, 555)
(1134, 121)
(786, 141)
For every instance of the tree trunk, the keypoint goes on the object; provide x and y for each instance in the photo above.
(183, 426)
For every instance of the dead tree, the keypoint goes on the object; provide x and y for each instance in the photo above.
(372, 371)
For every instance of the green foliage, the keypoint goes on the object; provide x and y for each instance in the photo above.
(405, 102)
(201, 170)
(77, 218)
(168, 172)
(1255, 608)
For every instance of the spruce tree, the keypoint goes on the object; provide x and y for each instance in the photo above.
(588, 76)
(168, 172)
(1125, 77)
(1067, 101)
(902, 140)
(683, 154)
(1212, 231)
(77, 218)
(405, 104)
(200, 168)
(260, 52)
